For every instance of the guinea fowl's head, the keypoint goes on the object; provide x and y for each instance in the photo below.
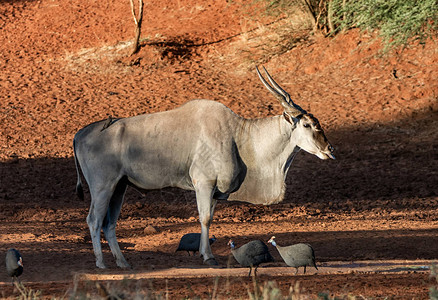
(272, 241)
(20, 262)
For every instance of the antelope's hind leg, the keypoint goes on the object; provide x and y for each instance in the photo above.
(110, 223)
(102, 191)
(96, 215)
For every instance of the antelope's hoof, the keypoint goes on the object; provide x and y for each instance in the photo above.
(123, 264)
(211, 262)
(100, 265)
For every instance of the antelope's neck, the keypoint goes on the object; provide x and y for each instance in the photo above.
(266, 148)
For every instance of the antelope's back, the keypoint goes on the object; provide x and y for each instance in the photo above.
(158, 150)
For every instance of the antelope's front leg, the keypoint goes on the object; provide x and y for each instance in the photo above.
(206, 204)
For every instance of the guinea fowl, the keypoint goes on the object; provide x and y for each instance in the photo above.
(251, 254)
(14, 263)
(190, 242)
(298, 255)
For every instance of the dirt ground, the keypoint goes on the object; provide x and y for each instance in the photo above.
(64, 64)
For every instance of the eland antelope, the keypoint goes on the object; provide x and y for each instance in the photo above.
(201, 146)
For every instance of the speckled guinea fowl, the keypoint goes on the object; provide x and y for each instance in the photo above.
(298, 255)
(14, 263)
(190, 242)
(251, 254)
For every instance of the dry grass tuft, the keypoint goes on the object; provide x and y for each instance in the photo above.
(263, 42)
(26, 293)
(98, 60)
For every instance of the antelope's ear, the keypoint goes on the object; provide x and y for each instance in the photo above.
(289, 118)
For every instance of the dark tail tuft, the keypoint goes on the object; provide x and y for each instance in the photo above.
(79, 190)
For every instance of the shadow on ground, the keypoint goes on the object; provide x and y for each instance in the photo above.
(393, 165)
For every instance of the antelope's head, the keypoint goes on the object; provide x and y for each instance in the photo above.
(308, 133)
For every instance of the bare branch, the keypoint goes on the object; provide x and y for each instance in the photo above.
(137, 20)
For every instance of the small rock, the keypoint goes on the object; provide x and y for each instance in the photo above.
(150, 230)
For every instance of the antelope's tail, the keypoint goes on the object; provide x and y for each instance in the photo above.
(79, 188)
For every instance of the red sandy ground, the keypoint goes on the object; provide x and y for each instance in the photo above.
(64, 64)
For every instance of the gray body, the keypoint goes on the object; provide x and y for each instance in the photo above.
(191, 241)
(298, 255)
(14, 263)
(201, 146)
(252, 254)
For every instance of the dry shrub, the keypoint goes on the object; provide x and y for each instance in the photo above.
(265, 41)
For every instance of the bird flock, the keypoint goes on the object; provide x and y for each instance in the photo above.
(254, 253)
(249, 255)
